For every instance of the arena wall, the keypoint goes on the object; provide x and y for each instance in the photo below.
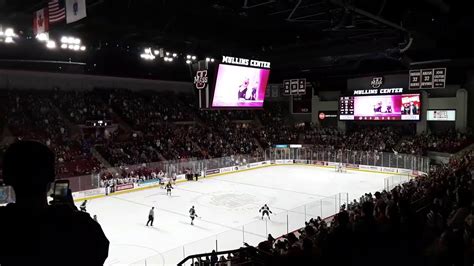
(13, 79)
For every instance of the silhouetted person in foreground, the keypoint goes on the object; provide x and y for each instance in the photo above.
(35, 233)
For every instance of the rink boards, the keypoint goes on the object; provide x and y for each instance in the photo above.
(100, 192)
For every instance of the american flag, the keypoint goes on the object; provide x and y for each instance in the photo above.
(57, 11)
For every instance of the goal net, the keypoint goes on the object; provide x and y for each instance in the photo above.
(341, 168)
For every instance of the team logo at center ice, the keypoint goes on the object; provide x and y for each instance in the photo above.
(200, 80)
(376, 82)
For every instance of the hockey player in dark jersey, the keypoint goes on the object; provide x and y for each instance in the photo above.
(265, 210)
(192, 215)
(168, 187)
(83, 206)
(241, 95)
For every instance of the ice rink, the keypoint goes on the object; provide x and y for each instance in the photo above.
(228, 206)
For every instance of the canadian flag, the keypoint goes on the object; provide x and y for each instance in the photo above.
(40, 21)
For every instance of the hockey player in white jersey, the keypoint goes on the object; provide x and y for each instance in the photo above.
(192, 215)
(265, 210)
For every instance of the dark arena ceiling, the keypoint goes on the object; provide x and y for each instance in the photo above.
(300, 37)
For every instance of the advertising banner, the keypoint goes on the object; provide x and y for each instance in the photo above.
(212, 171)
(123, 187)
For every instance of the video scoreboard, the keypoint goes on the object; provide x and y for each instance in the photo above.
(346, 107)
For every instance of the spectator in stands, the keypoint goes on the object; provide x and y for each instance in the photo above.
(38, 234)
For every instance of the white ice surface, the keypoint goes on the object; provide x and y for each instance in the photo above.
(223, 202)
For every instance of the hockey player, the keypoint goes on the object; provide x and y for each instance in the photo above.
(151, 216)
(83, 206)
(265, 210)
(168, 187)
(192, 215)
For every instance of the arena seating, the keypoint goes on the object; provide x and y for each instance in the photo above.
(427, 221)
(164, 126)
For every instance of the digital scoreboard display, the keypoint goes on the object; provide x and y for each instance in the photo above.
(240, 87)
(405, 107)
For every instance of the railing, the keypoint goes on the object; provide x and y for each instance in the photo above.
(382, 159)
(282, 222)
(205, 258)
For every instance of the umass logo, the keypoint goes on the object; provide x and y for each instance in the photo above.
(376, 82)
(200, 80)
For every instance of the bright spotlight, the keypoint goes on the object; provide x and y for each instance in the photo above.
(175, 54)
(9, 32)
(193, 57)
(188, 57)
(148, 50)
(51, 44)
(71, 40)
(63, 46)
(76, 47)
(157, 52)
(167, 53)
(188, 61)
(64, 39)
(71, 46)
(9, 39)
(83, 48)
(42, 37)
(212, 60)
(77, 41)
(208, 59)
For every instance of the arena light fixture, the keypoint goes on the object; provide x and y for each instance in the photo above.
(51, 44)
(188, 57)
(83, 48)
(9, 32)
(147, 54)
(43, 37)
(175, 55)
(9, 39)
(193, 57)
(212, 60)
(156, 52)
(64, 46)
(188, 62)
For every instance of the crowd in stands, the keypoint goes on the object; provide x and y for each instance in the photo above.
(162, 126)
(80, 107)
(427, 221)
(128, 176)
(34, 115)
